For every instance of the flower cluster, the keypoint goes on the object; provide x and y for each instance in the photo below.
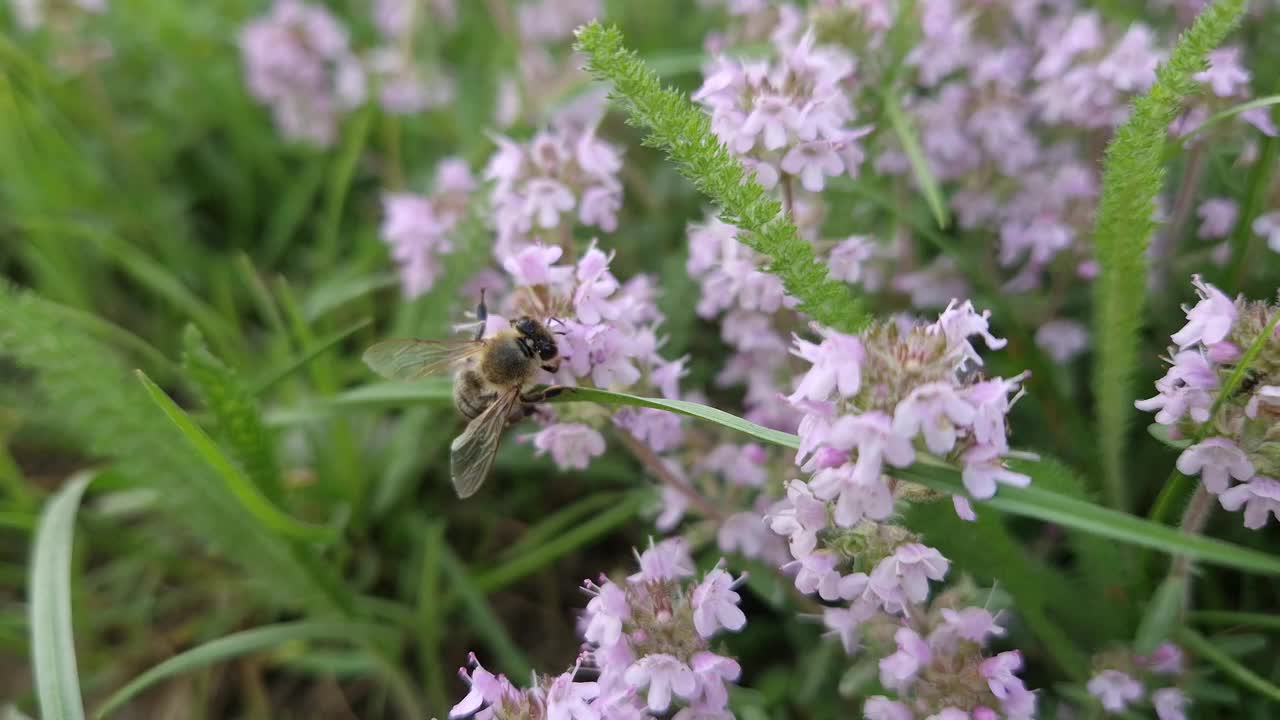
(562, 174)
(417, 227)
(298, 61)
(607, 336)
(648, 640)
(1235, 437)
(790, 117)
(402, 85)
(1122, 681)
(938, 669)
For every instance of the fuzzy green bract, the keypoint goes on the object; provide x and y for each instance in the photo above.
(684, 133)
(1132, 177)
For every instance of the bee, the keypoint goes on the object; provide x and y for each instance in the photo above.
(489, 386)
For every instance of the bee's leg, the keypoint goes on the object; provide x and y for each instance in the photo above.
(542, 395)
(482, 314)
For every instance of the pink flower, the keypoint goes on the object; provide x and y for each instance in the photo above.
(936, 410)
(715, 604)
(991, 403)
(572, 445)
(711, 671)
(837, 366)
(1260, 497)
(535, 265)
(600, 207)
(595, 285)
(817, 573)
(898, 670)
(486, 689)
(1210, 320)
(606, 612)
(663, 674)
(848, 260)
(1216, 460)
(879, 707)
(659, 429)
(1170, 704)
(844, 622)
(854, 499)
(1268, 226)
(973, 624)
(674, 505)
(1226, 75)
(743, 532)
(812, 161)
(800, 517)
(1217, 216)
(416, 235)
(1185, 389)
(904, 576)
(545, 199)
(983, 469)
(960, 322)
(877, 441)
(569, 700)
(667, 560)
(1062, 339)
(1115, 690)
(1166, 659)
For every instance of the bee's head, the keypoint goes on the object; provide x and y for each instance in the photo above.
(543, 342)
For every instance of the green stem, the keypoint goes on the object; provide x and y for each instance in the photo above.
(1200, 645)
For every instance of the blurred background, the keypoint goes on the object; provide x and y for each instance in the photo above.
(157, 214)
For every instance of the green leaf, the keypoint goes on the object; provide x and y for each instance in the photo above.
(1031, 501)
(329, 296)
(1200, 645)
(1161, 433)
(236, 415)
(250, 497)
(684, 132)
(1164, 612)
(1231, 112)
(275, 375)
(1132, 177)
(1227, 617)
(234, 646)
(683, 407)
(343, 170)
(543, 555)
(919, 163)
(482, 618)
(53, 646)
(371, 396)
(1079, 515)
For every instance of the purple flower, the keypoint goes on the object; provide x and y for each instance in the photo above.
(800, 517)
(836, 363)
(572, 445)
(545, 200)
(659, 429)
(854, 499)
(1131, 65)
(848, 261)
(743, 532)
(816, 572)
(1217, 217)
(1185, 389)
(1210, 320)
(983, 469)
(877, 441)
(569, 700)
(973, 624)
(879, 707)
(1170, 704)
(416, 235)
(1260, 497)
(1226, 75)
(1215, 460)
(1062, 339)
(936, 410)
(960, 322)
(1268, 226)
(606, 612)
(1115, 690)
(904, 576)
(844, 622)
(595, 285)
(535, 265)
(663, 674)
(898, 670)
(715, 604)
(1166, 659)
(486, 689)
(667, 560)
(600, 207)
(813, 162)
(711, 671)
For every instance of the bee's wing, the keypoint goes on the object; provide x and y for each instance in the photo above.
(413, 359)
(471, 454)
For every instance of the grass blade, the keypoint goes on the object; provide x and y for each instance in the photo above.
(230, 647)
(1132, 176)
(1225, 617)
(482, 618)
(1200, 645)
(53, 647)
(683, 407)
(271, 377)
(373, 395)
(257, 504)
(915, 155)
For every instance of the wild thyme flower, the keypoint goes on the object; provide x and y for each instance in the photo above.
(1121, 680)
(1238, 444)
(418, 227)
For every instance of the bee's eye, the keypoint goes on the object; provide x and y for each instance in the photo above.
(547, 351)
(525, 326)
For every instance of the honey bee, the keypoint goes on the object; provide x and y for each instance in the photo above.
(490, 378)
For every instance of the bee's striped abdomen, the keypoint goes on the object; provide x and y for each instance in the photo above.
(471, 395)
